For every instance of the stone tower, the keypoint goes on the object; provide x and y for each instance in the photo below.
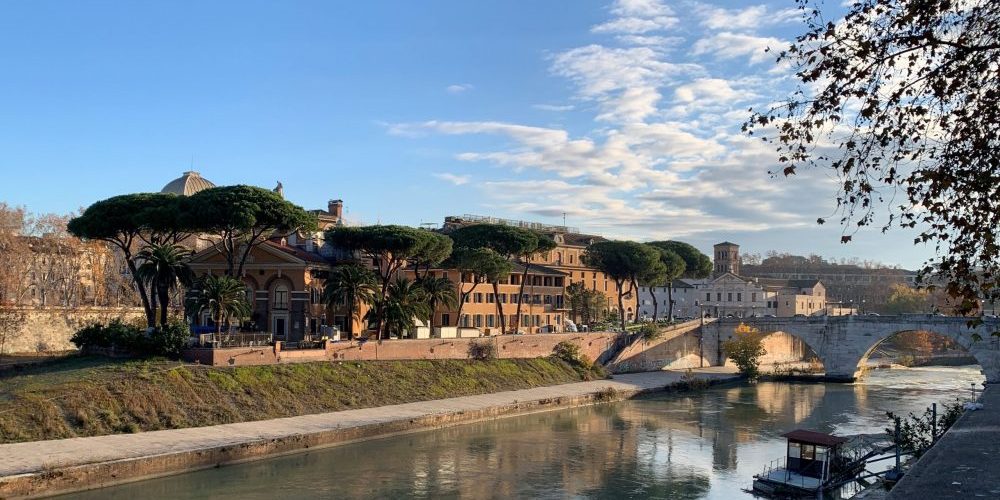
(727, 259)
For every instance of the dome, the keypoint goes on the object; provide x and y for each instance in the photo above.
(189, 183)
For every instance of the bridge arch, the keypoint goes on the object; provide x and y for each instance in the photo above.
(844, 342)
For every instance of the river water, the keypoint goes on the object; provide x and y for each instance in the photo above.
(705, 444)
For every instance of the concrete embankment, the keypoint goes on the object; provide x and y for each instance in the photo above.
(964, 462)
(43, 468)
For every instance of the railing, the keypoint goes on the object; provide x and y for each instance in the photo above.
(234, 339)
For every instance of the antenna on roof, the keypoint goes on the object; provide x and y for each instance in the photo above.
(564, 219)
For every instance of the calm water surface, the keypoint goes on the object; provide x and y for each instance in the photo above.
(698, 445)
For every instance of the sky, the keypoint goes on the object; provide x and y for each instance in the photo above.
(623, 115)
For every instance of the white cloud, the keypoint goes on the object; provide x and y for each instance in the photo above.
(553, 107)
(455, 179)
(458, 88)
(641, 8)
(728, 45)
(750, 18)
(713, 89)
(635, 25)
(665, 157)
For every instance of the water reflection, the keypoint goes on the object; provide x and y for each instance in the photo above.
(696, 445)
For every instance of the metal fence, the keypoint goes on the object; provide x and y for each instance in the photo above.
(235, 339)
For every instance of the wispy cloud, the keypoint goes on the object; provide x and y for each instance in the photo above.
(455, 179)
(553, 107)
(458, 88)
(664, 156)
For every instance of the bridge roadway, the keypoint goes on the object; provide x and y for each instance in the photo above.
(844, 342)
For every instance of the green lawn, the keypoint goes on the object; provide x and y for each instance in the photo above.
(88, 396)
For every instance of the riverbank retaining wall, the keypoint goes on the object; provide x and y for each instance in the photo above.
(594, 345)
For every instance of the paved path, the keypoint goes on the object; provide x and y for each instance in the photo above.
(21, 458)
(965, 463)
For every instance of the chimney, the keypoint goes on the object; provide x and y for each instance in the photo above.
(336, 208)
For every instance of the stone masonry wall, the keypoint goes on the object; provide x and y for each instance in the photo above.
(50, 329)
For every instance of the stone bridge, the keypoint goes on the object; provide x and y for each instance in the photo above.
(843, 343)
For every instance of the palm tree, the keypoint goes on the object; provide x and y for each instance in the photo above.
(351, 285)
(224, 297)
(164, 268)
(438, 291)
(404, 301)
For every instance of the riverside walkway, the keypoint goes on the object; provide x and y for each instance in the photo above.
(965, 462)
(48, 467)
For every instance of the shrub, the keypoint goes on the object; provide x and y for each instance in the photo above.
(482, 351)
(169, 340)
(114, 334)
(568, 352)
(693, 382)
(650, 333)
(917, 433)
(746, 349)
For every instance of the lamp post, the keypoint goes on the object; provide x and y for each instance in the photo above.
(701, 337)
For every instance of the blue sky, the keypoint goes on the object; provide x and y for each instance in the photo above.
(625, 115)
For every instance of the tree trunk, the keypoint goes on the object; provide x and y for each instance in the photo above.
(350, 319)
(150, 314)
(496, 297)
(656, 303)
(635, 290)
(621, 303)
(164, 303)
(520, 296)
(670, 301)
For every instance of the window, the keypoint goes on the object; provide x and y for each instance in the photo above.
(490, 298)
(281, 297)
(718, 296)
(478, 298)
(465, 321)
(479, 321)
(729, 297)
(536, 299)
(794, 450)
(445, 319)
(753, 297)
(821, 453)
(570, 258)
(708, 296)
(490, 320)
(808, 452)
(547, 299)
(739, 297)
(559, 257)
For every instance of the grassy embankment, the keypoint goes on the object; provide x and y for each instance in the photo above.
(88, 396)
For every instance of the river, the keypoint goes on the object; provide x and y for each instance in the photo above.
(705, 444)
